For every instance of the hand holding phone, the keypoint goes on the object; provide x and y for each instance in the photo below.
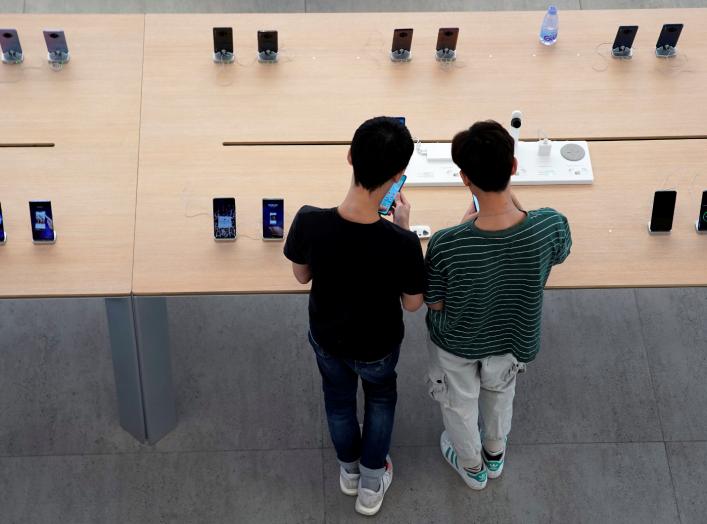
(401, 211)
(389, 199)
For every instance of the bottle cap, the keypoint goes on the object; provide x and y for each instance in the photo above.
(552, 10)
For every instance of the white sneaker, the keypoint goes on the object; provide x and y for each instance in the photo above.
(369, 502)
(473, 480)
(348, 482)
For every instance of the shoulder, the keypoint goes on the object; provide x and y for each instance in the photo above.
(449, 234)
(311, 214)
(549, 216)
(405, 236)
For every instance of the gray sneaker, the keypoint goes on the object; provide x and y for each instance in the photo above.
(348, 482)
(369, 502)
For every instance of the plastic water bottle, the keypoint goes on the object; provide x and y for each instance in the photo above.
(548, 31)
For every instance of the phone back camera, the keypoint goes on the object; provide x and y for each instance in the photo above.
(53, 35)
(448, 33)
(7, 35)
(403, 34)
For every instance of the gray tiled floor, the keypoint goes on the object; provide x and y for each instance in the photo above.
(586, 446)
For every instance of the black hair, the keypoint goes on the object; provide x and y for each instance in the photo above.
(484, 153)
(381, 148)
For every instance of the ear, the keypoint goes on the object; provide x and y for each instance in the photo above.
(397, 177)
(348, 157)
(514, 169)
(465, 179)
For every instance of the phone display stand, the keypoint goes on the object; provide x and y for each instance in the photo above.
(446, 55)
(666, 51)
(40, 242)
(4, 240)
(267, 57)
(224, 57)
(622, 52)
(401, 55)
(13, 57)
(651, 232)
(58, 58)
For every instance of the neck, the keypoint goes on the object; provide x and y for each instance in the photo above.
(360, 205)
(497, 210)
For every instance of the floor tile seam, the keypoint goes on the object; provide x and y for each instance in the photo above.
(325, 448)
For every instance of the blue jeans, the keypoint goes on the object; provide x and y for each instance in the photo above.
(340, 383)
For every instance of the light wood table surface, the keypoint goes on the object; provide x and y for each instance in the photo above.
(335, 72)
(90, 110)
(175, 252)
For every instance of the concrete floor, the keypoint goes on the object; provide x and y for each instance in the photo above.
(609, 421)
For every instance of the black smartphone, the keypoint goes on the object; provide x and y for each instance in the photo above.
(56, 41)
(447, 38)
(267, 41)
(663, 211)
(625, 36)
(273, 219)
(402, 40)
(10, 43)
(702, 220)
(669, 36)
(42, 221)
(223, 39)
(2, 228)
(224, 218)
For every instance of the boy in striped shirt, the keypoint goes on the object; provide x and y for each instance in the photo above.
(485, 281)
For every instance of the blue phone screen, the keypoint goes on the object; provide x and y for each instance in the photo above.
(389, 198)
(273, 218)
(42, 221)
(224, 218)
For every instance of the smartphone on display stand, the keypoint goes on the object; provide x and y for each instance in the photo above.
(668, 39)
(3, 237)
(57, 47)
(273, 219)
(623, 43)
(389, 199)
(10, 45)
(663, 211)
(267, 41)
(42, 222)
(447, 38)
(224, 219)
(702, 219)
(223, 39)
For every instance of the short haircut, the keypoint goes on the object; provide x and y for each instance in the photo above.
(381, 148)
(484, 153)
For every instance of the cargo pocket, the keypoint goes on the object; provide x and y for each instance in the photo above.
(437, 386)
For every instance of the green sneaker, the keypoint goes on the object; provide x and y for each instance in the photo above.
(473, 480)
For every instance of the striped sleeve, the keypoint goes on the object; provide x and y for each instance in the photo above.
(564, 241)
(436, 279)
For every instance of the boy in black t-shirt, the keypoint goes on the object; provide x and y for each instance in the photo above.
(362, 269)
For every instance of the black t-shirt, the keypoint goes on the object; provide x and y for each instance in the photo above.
(359, 272)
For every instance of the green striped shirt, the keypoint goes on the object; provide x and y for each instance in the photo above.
(492, 284)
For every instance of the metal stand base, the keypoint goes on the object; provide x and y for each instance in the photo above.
(401, 55)
(12, 57)
(267, 57)
(666, 51)
(446, 55)
(58, 57)
(142, 366)
(224, 57)
(625, 53)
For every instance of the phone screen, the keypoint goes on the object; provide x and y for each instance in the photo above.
(389, 198)
(402, 40)
(267, 41)
(2, 227)
(447, 38)
(223, 39)
(56, 41)
(669, 35)
(625, 36)
(42, 221)
(663, 210)
(702, 222)
(224, 218)
(273, 218)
